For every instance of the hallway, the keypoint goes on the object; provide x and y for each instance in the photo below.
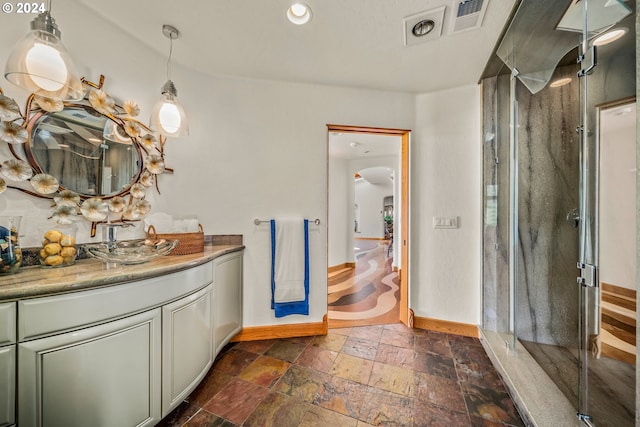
(386, 375)
(367, 294)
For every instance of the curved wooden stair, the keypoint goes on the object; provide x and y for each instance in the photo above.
(618, 322)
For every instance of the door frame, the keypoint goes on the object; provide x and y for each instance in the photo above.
(404, 267)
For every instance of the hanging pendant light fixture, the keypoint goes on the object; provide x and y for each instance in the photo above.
(168, 116)
(41, 64)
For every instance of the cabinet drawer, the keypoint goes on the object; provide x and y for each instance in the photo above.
(48, 315)
(7, 323)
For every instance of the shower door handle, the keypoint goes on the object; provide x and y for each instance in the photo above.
(573, 217)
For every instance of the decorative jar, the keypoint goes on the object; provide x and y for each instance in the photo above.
(59, 246)
(10, 252)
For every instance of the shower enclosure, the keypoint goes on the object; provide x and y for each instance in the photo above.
(562, 337)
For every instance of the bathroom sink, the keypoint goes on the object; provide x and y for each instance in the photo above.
(130, 251)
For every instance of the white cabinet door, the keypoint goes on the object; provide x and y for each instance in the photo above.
(228, 309)
(105, 375)
(7, 385)
(187, 328)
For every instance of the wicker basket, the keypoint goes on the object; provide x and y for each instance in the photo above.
(189, 243)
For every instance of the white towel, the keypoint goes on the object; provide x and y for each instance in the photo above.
(289, 261)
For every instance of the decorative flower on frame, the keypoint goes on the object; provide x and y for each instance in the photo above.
(143, 207)
(12, 133)
(9, 109)
(146, 178)
(154, 164)
(49, 104)
(3, 185)
(16, 170)
(94, 209)
(137, 191)
(65, 215)
(102, 102)
(117, 204)
(131, 213)
(44, 183)
(148, 141)
(131, 108)
(67, 198)
(132, 128)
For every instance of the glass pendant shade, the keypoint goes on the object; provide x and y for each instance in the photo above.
(168, 116)
(41, 64)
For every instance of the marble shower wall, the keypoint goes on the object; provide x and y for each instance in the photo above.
(546, 308)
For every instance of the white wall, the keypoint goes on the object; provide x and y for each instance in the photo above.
(617, 221)
(257, 149)
(445, 181)
(340, 225)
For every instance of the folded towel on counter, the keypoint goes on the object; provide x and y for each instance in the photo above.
(290, 267)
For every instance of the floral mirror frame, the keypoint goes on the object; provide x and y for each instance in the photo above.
(128, 204)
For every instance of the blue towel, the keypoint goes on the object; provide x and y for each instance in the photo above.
(297, 307)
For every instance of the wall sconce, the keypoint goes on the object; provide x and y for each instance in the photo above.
(41, 64)
(168, 116)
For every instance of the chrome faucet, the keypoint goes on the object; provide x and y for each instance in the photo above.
(109, 236)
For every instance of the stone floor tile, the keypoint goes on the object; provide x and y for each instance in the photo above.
(492, 405)
(427, 415)
(432, 342)
(317, 358)
(397, 339)
(479, 374)
(304, 383)
(387, 409)
(179, 416)
(278, 410)
(320, 417)
(360, 348)
(396, 356)
(343, 396)
(435, 364)
(207, 419)
(233, 404)
(392, 378)
(371, 333)
(333, 342)
(256, 347)
(265, 371)
(352, 368)
(211, 385)
(234, 361)
(285, 350)
(439, 391)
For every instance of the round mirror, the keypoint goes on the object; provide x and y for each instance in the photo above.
(86, 151)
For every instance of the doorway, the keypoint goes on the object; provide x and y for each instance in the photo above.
(368, 226)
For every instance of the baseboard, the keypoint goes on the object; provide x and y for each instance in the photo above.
(342, 266)
(446, 326)
(370, 238)
(255, 333)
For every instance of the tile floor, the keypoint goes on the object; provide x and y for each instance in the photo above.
(387, 375)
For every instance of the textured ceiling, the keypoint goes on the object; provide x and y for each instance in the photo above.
(354, 43)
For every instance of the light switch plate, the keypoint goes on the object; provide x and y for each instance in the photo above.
(445, 222)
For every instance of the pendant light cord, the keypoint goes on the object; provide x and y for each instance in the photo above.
(168, 60)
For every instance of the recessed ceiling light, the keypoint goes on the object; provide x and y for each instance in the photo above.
(560, 82)
(423, 27)
(299, 13)
(609, 36)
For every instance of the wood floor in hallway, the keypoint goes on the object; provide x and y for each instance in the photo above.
(367, 294)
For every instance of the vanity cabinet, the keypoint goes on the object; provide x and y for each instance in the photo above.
(187, 346)
(7, 364)
(105, 375)
(123, 354)
(228, 298)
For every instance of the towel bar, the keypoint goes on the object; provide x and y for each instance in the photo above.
(260, 221)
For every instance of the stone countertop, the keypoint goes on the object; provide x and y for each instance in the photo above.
(36, 281)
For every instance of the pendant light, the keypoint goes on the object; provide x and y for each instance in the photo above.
(41, 64)
(167, 116)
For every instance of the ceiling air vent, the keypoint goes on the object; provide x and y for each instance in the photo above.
(468, 14)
